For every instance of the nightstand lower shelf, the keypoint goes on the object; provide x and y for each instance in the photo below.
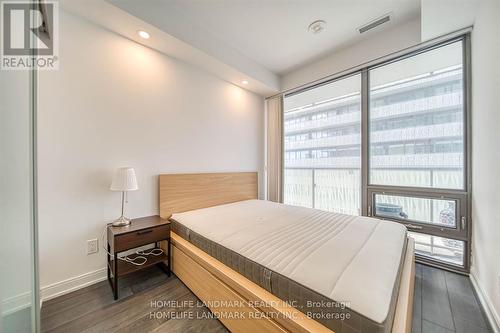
(125, 268)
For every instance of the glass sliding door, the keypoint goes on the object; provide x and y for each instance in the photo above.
(19, 302)
(322, 147)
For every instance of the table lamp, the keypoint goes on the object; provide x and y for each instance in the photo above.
(124, 180)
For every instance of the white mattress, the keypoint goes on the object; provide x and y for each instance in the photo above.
(345, 258)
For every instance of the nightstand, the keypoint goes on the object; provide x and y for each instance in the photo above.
(140, 232)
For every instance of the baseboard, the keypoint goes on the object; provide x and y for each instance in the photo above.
(66, 286)
(16, 303)
(485, 301)
(22, 301)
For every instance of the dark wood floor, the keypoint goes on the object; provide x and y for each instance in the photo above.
(444, 302)
(93, 309)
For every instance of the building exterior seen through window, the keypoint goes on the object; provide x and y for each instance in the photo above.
(416, 139)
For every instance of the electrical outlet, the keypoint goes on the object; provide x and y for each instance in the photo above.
(92, 246)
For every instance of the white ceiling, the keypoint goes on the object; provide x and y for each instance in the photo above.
(225, 65)
(270, 33)
(244, 40)
(459, 14)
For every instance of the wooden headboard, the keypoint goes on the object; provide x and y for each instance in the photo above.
(182, 192)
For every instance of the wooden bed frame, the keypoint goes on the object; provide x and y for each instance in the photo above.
(240, 304)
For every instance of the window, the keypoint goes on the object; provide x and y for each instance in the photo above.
(439, 212)
(389, 141)
(417, 103)
(416, 150)
(450, 251)
(325, 172)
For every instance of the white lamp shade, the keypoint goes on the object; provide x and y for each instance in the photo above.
(124, 180)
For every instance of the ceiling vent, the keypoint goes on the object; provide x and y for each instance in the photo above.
(375, 23)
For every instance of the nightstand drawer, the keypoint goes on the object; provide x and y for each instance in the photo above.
(141, 237)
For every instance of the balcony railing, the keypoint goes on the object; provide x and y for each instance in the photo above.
(395, 135)
(342, 119)
(331, 141)
(339, 190)
(336, 190)
(432, 160)
(434, 103)
(417, 133)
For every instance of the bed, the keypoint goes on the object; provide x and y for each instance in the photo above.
(263, 266)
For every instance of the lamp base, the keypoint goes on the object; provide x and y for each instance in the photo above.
(122, 221)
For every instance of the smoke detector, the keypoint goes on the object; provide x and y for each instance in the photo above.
(375, 23)
(317, 26)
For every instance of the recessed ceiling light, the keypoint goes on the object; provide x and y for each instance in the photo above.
(317, 26)
(143, 34)
(244, 82)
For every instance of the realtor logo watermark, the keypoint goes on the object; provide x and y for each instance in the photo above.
(30, 35)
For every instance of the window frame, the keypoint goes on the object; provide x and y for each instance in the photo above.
(458, 232)
(465, 40)
(368, 191)
(461, 196)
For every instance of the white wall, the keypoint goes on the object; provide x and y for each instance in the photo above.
(486, 152)
(459, 14)
(116, 103)
(374, 46)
